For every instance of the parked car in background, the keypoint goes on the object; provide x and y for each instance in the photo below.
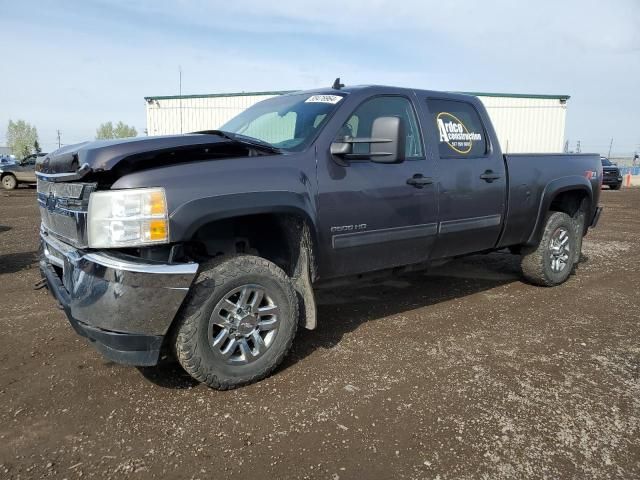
(7, 160)
(611, 175)
(24, 171)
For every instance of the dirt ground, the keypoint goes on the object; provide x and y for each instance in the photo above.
(466, 372)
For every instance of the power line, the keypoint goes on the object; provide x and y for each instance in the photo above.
(610, 145)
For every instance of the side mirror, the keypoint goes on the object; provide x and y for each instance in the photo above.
(386, 143)
(391, 128)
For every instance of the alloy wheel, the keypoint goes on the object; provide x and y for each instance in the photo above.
(560, 249)
(244, 324)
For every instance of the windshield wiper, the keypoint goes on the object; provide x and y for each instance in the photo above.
(245, 140)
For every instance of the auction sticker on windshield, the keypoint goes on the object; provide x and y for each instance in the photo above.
(333, 99)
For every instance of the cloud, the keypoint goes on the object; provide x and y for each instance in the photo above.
(76, 64)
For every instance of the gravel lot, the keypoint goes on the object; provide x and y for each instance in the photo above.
(462, 373)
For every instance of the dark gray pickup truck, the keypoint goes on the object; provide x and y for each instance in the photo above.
(23, 171)
(209, 246)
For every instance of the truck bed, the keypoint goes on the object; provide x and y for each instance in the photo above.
(530, 176)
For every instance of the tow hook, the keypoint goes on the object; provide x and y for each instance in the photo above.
(40, 284)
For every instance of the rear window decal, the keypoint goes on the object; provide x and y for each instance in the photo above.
(455, 134)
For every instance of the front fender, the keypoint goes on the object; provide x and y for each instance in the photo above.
(550, 192)
(189, 217)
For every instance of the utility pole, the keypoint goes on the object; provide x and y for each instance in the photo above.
(58, 138)
(180, 91)
(610, 145)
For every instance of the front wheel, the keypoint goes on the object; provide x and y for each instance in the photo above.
(552, 261)
(9, 182)
(238, 322)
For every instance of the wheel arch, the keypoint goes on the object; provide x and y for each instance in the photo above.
(281, 231)
(190, 217)
(567, 194)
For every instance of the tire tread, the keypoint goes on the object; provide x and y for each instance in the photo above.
(533, 260)
(215, 273)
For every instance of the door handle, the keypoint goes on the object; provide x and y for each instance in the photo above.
(488, 176)
(419, 181)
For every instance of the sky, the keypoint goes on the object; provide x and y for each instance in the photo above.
(71, 65)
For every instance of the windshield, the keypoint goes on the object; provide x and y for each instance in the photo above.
(287, 122)
(605, 162)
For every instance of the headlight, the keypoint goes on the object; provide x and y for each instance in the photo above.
(128, 218)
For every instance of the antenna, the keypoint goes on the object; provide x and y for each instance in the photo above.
(337, 85)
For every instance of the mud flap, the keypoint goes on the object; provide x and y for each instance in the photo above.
(304, 291)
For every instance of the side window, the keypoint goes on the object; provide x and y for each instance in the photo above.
(360, 123)
(459, 129)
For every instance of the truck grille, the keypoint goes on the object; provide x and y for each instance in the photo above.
(63, 209)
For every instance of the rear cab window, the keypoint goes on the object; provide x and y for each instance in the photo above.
(459, 129)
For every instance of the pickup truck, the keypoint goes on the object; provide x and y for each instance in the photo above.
(22, 171)
(611, 175)
(209, 246)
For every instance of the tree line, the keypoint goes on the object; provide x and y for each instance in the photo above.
(22, 137)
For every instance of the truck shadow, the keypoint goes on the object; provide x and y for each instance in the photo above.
(168, 374)
(341, 310)
(14, 262)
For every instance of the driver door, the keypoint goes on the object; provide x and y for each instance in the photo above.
(370, 217)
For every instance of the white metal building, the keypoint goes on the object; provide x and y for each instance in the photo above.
(524, 123)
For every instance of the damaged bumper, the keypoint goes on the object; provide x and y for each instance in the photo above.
(124, 305)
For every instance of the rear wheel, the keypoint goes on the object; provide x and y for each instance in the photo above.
(238, 322)
(9, 182)
(552, 261)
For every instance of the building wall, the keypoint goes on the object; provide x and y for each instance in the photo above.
(528, 125)
(198, 113)
(523, 124)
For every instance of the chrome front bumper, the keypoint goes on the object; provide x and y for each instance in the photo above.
(122, 303)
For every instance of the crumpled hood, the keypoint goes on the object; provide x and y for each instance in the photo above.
(104, 155)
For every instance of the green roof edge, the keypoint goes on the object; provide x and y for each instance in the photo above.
(517, 95)
(217, 95)
(283, 92)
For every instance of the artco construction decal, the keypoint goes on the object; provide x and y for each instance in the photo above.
(455, 134)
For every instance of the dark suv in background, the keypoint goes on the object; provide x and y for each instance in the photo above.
(611, 175)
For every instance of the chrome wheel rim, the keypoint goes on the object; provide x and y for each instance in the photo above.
(244, 324)
(560, 248)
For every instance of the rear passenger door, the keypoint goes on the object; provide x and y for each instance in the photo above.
(471, 179)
